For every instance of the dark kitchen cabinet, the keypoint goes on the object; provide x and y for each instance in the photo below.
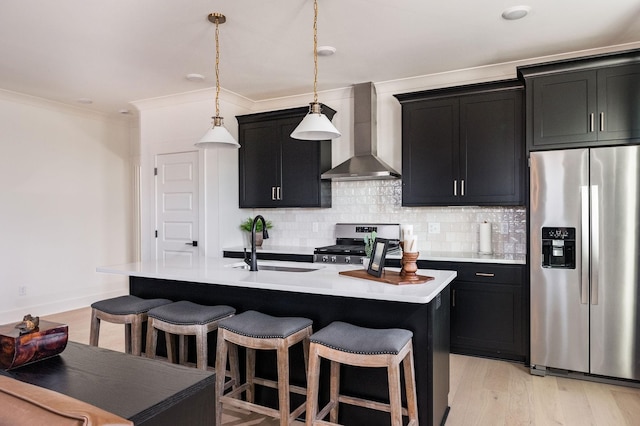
(463, 146)
(278, 171)
(591, 101)
(487, 311)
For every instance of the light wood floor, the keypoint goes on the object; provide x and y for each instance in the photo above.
(483, 391)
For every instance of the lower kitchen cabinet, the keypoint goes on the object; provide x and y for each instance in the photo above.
(489, 309)
(488, 315)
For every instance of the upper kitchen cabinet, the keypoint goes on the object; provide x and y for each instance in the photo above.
(590, 101)
(278, 171)
(463, 145)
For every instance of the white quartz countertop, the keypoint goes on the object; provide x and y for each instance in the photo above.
(441, 256)
(322, 279)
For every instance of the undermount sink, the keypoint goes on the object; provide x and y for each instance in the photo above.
(272, 267)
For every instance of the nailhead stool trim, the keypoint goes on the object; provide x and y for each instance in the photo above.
(128, 310)
(184, 319)
(344, 343)
(254, 330)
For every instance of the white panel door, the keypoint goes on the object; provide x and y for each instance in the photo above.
(177, 208)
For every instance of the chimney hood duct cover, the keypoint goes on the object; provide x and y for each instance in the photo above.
(364, 165)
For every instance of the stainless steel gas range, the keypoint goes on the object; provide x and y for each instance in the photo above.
(349, 246)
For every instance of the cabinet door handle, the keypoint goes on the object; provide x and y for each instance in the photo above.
(273, 193)
(278, 194)
(485, 274)
(455, 188)
(453, 298)
(591, 122)
(462, 188)
(602, 121)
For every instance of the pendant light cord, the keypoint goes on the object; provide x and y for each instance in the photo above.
(315, 51)
(217, 70)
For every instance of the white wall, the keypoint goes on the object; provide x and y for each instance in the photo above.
(65, 185)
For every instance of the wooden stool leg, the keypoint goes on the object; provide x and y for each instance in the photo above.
(313, 382)
(221, 362)
(136, 335)
(182, 349)
(171, 347)
(250, 373)
(334, 391)
(202, 353)
(127, 338)
(94, 333)
(283, 384)
(410, 388)
(234, 365)
(152, 337)
(395, 401)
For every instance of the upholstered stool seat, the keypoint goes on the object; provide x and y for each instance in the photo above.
(185, 318)
(257, 331)
(128, 310)
(344, 343)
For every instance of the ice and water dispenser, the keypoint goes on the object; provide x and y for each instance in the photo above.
(559, 248)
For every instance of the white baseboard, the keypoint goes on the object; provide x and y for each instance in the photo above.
(60, 305)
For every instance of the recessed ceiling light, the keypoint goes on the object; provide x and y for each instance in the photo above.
(515, 12)
(124, 111)
(195, 77)
(85, 101)
(326, 50)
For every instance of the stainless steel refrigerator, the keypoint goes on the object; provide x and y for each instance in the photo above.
(585, 261)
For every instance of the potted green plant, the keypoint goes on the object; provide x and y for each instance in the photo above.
(246, 226)
(369, 240)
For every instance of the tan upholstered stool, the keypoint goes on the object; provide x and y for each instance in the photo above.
(343, 343)
(128, 310)
(254, 330)
(184, 319)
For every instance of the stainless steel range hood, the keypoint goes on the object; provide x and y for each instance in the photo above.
(364, 165)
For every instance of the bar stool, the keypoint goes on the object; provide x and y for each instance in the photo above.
(184, 319)
(128, 310)
(344, 343)
(254, 330)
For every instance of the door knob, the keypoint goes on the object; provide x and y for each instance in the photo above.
(192, 243)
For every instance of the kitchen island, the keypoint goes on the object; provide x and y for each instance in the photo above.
(318, 292)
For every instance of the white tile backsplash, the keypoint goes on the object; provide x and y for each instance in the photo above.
(380, 201)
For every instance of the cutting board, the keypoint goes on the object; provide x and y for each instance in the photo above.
(389, 277)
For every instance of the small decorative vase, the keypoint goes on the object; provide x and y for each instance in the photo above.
(258, 239)
(409, 265)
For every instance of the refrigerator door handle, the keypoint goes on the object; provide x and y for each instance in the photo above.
(584, 252)
(595, 243)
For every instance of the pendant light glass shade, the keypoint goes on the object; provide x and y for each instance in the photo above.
(315, 126)
(217, 136)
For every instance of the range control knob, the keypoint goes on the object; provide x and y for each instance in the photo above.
(325, 258)
(334, 259)
(347, 259)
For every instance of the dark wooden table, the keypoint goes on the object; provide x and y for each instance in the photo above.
(148, 392)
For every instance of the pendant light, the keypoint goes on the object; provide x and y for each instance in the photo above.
(315, 125)
(218, 135)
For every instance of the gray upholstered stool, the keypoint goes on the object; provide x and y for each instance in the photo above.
(184, 319)
(343, 343)
(128, 310)
(254, 330)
